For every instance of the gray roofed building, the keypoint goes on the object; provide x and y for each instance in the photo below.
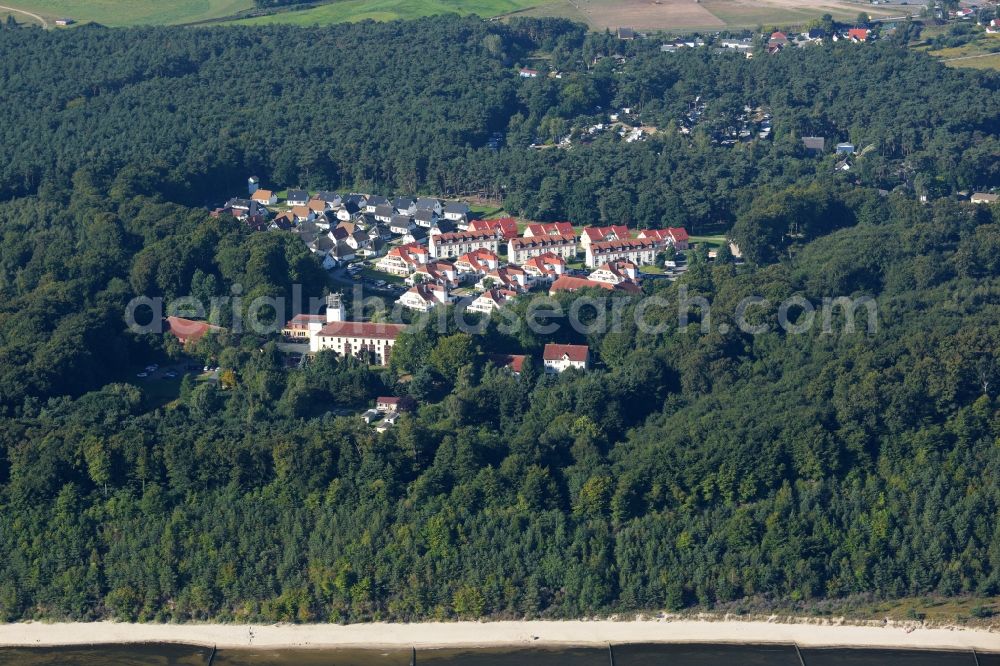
(425, 217)
(814, 143)
(297, 197)
(330, 198)
(384, 212)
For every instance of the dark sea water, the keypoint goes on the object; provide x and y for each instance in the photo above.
(624, 655)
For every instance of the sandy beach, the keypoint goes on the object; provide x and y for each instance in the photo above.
(503, 634)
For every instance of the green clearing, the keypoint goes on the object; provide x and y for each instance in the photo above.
(981, 53)
(132, 12)
(711, 241)
(348, 11)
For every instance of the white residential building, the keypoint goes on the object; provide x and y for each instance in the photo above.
(519, 250)
(558, 358)
(637, 251)
(457, 243)
(425, 297)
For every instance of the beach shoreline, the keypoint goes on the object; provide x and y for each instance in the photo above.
(505, 634)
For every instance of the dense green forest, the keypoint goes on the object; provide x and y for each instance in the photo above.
(687, 468)
(411, 106)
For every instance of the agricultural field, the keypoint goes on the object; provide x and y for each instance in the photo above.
(128, 12)
(344, 11)
(651, 15)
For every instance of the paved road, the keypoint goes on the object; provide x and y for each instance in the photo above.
(45, 24)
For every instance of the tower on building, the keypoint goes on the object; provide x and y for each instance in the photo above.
(334, 308)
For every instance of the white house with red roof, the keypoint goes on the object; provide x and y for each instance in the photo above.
(442, 272)
(425, 297)
(601, 234)
(457, 243)
(403, 259)
(548, 229)
(490, 300)
(477, 262)
(675, 236)
(509, 277)
(544, 268)
(616, 273)
(858, 34)
(265, 197)
(558, 358)
(519, 250)
(504, 227)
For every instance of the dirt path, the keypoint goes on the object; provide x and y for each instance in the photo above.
(970, 57)
(45, 24)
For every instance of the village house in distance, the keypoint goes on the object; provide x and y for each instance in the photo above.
(558, 358)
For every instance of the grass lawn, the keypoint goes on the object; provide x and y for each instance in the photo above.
(132, 12)
(651, 269)
(388, 10)
(711, 241)
(978, 62)
(486, 211)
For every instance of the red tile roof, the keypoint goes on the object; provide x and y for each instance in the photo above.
(679, 234)
(507, 226)
(513, 361)
(543, 240)
(570, 283)
(189, 330)
(576, 353)
(550, 228)
(362, 329)
(619, 231)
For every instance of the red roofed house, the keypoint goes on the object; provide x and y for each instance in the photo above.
(558, 358)
(491, 299)
(513, 362)
(616, 273)
(391, 403)
(599, 234)
(265, 197)
(435, 271)
(479, 262)
(858, 34)
(506, 227)
(509, 277)
(548, 229)
(544, 268)
(189, 330)
(571, 284)
(675, 236)
(404, 259)
(425, 297)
